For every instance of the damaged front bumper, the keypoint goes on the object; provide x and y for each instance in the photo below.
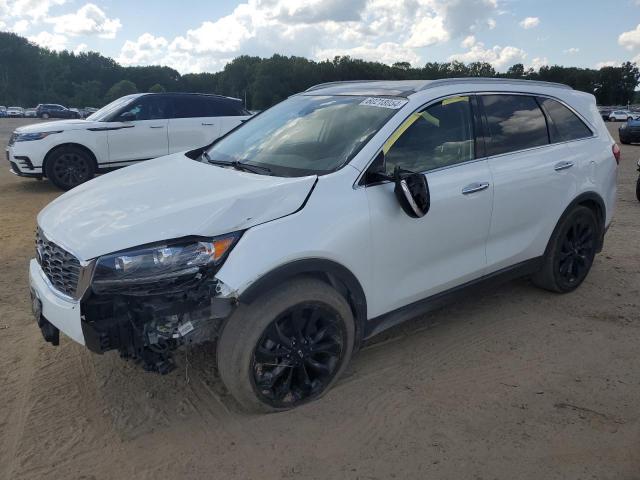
(146, 327)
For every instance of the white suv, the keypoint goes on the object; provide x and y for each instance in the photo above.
(129, 130)
(339, 212)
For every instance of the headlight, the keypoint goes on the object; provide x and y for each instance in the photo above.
(160, 263)
(29, 137)
(623, 126)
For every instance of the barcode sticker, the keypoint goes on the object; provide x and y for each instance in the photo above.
(393, 103)
(185, 328)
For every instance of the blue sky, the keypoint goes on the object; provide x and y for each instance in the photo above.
(203, 35)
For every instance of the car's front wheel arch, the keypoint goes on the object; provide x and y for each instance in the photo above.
(84, 148)
(333, 273)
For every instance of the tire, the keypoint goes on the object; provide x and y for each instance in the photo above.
(638, 189)
(44, 116)
(68, 167)
(568, 259)
(263, 381)
(625, 142)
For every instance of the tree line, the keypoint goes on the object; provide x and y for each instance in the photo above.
(30, 74)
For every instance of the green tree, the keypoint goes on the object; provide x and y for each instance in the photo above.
(120, 89)
(157, 88)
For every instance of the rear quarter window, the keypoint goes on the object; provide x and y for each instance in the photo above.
(515, 123)
(222, 107)
(564, 125)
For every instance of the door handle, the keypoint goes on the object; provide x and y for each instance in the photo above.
(156, 126)
(207, 124)
(562, 166)
(475, 187)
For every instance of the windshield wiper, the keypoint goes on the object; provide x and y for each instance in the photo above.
(238, 165)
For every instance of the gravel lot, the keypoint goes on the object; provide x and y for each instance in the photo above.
(514, 384)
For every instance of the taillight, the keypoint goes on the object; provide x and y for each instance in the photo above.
(615, 149)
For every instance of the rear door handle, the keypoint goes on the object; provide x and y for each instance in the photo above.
(156, 126)
(207, 124)
(475, 187)
(562, 166)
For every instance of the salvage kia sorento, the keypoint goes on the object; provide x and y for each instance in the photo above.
(324, 220)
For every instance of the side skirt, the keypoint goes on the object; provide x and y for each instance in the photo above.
(434, 302)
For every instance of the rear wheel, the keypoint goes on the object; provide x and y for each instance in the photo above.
(68, 167)
(287, 347)
(638, 189)
(44, 116)
(570, 253)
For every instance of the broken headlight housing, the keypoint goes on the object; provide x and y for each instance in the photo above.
(157, 264)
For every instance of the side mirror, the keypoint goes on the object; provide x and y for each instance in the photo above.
(127, 117)
(412, 192)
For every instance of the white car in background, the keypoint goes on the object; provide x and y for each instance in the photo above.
(620, 116)
(15, 112)
(129, 130)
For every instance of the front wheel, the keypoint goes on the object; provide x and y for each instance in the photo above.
(68, 167)
(570, 252)
(288, 347)
(44, 116)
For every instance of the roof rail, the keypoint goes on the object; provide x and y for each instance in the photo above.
(339, 82)
(499, 81)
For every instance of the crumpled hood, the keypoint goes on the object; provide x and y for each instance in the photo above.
(166, 198)
(58, 125)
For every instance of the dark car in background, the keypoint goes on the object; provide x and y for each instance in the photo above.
(53, 110)
(629, 132)
(3, 111)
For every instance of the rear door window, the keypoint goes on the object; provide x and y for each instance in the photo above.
(564, 125)
(222, 107)
(190, 106)
(515, 123)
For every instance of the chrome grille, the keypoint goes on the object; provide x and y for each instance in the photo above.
(61, 268)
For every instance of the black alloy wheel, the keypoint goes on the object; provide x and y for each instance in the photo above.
(69, 167)
(298, 355)
(577, 250)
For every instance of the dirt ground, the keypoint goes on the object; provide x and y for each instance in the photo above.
(516, 384)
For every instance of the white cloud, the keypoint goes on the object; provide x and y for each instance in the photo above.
(427, 31)
(81, 47)
(388, 53)
(35, 9)
(468, 42)
(607, 63)
(146, 50)
(499, 57)
(630, 39)
(571, 50)
(88, 20)
(491, 23)
(21, 26)
(530, 22)
(52, 41)
(538, 62)
(384, 30)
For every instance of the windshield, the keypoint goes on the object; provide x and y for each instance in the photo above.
(105, 112)
(304, 135)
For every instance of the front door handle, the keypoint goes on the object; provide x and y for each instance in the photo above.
(207, 124)
(156, 126)
(562, 166)
(475, 187)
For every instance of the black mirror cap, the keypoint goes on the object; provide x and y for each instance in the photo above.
(412, 192)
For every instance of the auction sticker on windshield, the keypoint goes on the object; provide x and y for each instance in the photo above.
(393, 103)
